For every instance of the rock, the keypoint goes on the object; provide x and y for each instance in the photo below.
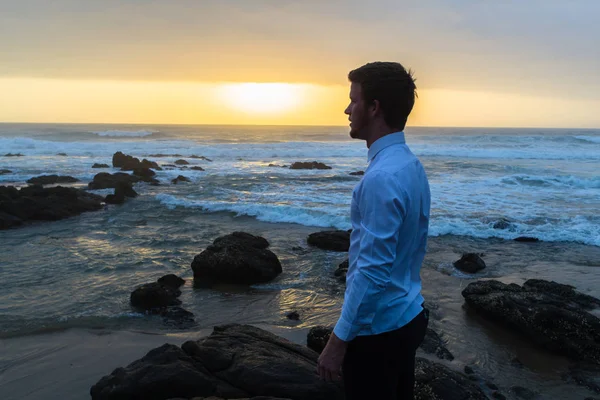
(526, 239)
(51, 179)
(523, 393)
(436, 381)
(318, 337)
(433, 344)
(96, 165)
(294, 316)
(309, 165)
(585, 375)
(235, 361)
(330, 240)
(180, 178)
(501, 224)
(550, 314)
(154, 295)
(43, 204)
(491, 385)
(566, 292)
(62, 154)
(196, 168)
(357, 173)
(239, 258)
(499, 396)
(129, 163)
(178, 317)
(164, 155)
(342, 270)
(242, 237)
(144, 173)
(181, 162)
(13, 155)
(5, 171)
(470, 262)
(104, 180)
(122, 190)
(468, 370)
(171, 280)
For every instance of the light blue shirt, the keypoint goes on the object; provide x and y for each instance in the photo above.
(390, 221)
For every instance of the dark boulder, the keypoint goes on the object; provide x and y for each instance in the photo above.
(436, 381)
(5, 171)
(330, 240)
(242, 238)
(129, 163)
(197, 168)
(171, 280)
(235, 361)
(13, 155)
(357, 173)
(342, 270)
(51, 179)
(294, 316)
(123, 190)
(144, 173)
(96, 165)
(433, 344)
(309, 165)
(154, 295)
(177, 317)
(104, 180)
(238, 258)
(180, 178)
(501, 224)
(526, 239)
(62, 154)
(317, 338)
(43, 204)
(181, 162)
(550, 314)
(470, 262)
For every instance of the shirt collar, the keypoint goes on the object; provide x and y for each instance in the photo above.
(385, 141)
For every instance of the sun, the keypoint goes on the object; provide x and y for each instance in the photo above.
(262, 98)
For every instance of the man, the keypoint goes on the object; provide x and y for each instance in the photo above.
(383, 321)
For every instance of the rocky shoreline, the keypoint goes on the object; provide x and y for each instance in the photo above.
(243, 361)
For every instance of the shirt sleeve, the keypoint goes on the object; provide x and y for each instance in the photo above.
(382, 209)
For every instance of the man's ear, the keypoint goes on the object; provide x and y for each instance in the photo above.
(375, 108)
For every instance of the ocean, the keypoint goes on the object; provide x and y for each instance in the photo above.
(488, 187)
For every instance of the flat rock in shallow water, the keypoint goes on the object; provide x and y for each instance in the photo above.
(550, 314)
(5, 171)
(309, 165)
(51, 179)
(330, 240)
(470, 263)
(235, 361)
(239, 258)
(35, 203)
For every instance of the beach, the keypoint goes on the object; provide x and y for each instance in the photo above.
(65, 317)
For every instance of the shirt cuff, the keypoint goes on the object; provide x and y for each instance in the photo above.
(344, 331)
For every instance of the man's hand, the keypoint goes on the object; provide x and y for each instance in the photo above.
(330, 361)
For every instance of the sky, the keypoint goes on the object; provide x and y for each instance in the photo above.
(506, 63)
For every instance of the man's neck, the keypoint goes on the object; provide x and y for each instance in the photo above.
(378, 133)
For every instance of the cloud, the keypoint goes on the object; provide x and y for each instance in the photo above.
(536, 47)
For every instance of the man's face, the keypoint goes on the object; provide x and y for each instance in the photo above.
(357, 113)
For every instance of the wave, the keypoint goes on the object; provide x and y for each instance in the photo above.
(552, 181)
(590, 139)
(119, 133)
(277, 213)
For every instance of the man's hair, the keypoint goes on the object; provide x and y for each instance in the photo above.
(390, 84)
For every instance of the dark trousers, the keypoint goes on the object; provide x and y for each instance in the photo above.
(382, 367)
